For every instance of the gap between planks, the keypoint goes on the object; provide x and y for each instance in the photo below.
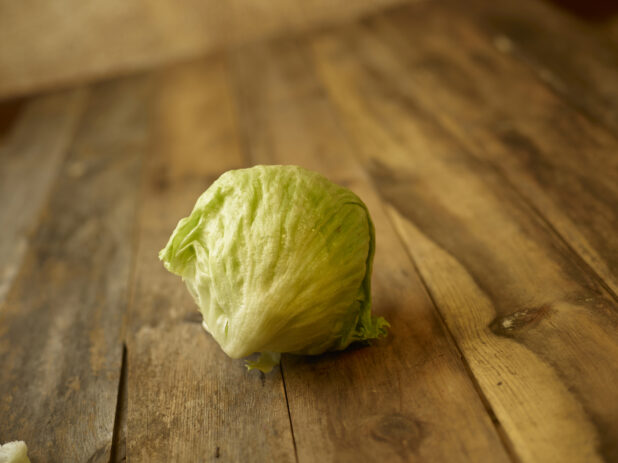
(118, 452)
(187, 398)
(287, 403)
(506, 441)
(583, 263)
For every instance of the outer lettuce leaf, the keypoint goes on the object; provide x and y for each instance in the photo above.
(278, 259)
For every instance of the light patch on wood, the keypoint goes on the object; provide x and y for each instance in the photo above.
(503, 43)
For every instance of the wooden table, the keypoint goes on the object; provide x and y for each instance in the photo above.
(482, 137)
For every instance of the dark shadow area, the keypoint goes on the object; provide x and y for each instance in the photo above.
(589, 10)
(9, 110)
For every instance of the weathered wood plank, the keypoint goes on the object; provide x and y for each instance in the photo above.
(34, 139)
(503, 115)
(536, 328)
(408, 396)
(61, 323)
(573, 57)
(187, 400)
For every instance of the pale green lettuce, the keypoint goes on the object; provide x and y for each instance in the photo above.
(278, 259)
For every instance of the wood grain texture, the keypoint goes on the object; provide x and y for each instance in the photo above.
(34, 142)
(406, 397)
(50, 44)
(549, 152)
(187, 400)
(536, 328)
(61, 323)
(575, 58)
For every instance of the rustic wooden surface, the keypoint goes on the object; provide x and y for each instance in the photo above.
(30, 155)
(486, 151)
(61, 320)
(389, 115)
